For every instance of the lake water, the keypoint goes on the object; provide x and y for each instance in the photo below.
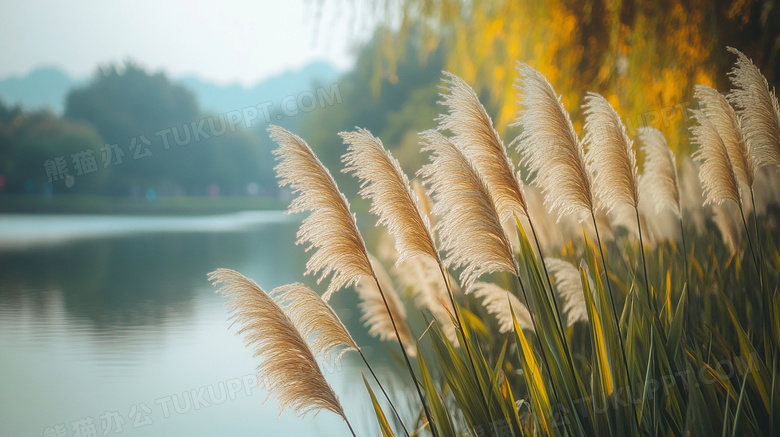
(108, 326)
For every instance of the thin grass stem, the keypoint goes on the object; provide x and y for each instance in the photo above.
(752, 250)
(539, 340)
(466, 345)
(350, 427)
(406, 358)
(617, 320)
(687, 278)
(758, 235)
(395, 412)
(644, 262)
(559, 319)
(555, 303)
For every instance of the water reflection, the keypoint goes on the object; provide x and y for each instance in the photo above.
(101, 324)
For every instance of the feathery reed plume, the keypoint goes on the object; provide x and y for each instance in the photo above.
(658, 225)
(470, 230)
(655, 224)
(422, 276)
(692, 195)
(375, 315)
(330, 228)
(569, 285)
(383, 181)
(385, 184)
(760, 117)
(550, 147)
(766, 189)
(553, 152)
(722, 115)
(288, 369)
(660, 182)
(716, 173)
(613, 162)
(759, 111)
(400, 211)
(312, 315)
(425, 203)
(398, 208)
(474, 134)
(610, 155)
(551, 235)
(727, 226)
(659, 178)
(480, 143)
(497, 301)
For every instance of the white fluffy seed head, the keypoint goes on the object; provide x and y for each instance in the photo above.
(375, 314)
(659, 178)
(288, 369)
(469, 228)
(758, 110)
(716, 173)
(315, 320)
(475, 136)
(569, 286)
(718, 110)
(384, 183)
(330, 228)
(501, 303)
(610, 155)
(551, 149)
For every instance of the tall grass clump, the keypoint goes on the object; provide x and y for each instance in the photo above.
(566, 325)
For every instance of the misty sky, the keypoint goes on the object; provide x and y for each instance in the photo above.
(223, 41)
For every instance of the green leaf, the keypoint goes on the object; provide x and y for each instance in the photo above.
(439, 415)
(384, 426)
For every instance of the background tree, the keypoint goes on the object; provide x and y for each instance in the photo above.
(136, 110)
(644, 57)
(29, 140)
(394, 108)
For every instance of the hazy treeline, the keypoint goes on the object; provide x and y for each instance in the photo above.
(127, 132)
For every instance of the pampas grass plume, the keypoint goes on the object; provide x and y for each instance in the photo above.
(550, 147)
(383, 182)
(422, 276)
(330, 228)
(722, 116)
(313, 316)
(759, 111)
(375, 315)
(288, 369)
(569, 285)
(716, 173)
(659, 178)
(474, 134)
(501, 303)
(469, 229)
(610, 155)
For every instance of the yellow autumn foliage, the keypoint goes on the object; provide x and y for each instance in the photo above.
(644, 57)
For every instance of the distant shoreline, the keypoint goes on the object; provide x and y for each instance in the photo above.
(108, 205)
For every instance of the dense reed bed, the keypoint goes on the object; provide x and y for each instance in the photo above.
(618, 289)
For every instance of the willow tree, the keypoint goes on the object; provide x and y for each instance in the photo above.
(644, 57)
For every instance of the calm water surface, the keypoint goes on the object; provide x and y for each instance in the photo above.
(108, 326)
